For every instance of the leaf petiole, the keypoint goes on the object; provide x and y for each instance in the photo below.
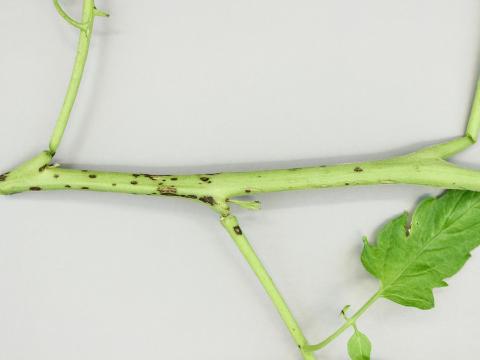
(350, 322)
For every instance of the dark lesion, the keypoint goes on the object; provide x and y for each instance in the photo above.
(207, 199)
(167, 190)
(358, 169)
(3, 177)
(237, 230)
(35, 188)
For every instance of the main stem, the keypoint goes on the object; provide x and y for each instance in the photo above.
(424, 167)
(233, 228)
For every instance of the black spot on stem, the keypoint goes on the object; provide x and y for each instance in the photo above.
(358, 169)
(35, 188)
(237, 230)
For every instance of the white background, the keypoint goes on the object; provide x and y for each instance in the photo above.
(186, 86)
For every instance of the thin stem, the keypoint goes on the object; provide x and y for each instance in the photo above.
(473, 126)
(350, 322)
(232, 226)
(88, 16)
(67, 18)
(455, 146)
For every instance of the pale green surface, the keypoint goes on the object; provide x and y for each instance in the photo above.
(85, 27)
(350, 322)
(232, 226)
(425, 167)
(359, 346)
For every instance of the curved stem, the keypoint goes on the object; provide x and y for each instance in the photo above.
(67, 18)
(85, 26)
(350, 322)
(232, 226)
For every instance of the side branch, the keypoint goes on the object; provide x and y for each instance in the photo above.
(86, 26)
(68, 19)
(473, 126)
(232, 226)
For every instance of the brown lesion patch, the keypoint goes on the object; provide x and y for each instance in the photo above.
(56, 176)
(35, 188)
(358, 169)
(68, 186)
(3, 177)
(167, 190)
(204, 178)
(134, 182)
(248, 191)
(92, 176)
(43, 167)
(151, 177)
(207, 199)
(189, 196)
(114, 184)
(85, 188)
(237, 230)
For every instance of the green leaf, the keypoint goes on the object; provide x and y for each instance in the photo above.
(359, 347)
(412, 259)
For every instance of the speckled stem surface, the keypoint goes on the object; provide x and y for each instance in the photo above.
(427, 166)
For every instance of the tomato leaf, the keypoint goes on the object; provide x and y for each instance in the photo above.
(412, 259)
(359, 346)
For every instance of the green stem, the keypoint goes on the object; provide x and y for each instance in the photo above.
(232, 226)
(418, 168)
(350, 322)
(473, 126)
(85, 27)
